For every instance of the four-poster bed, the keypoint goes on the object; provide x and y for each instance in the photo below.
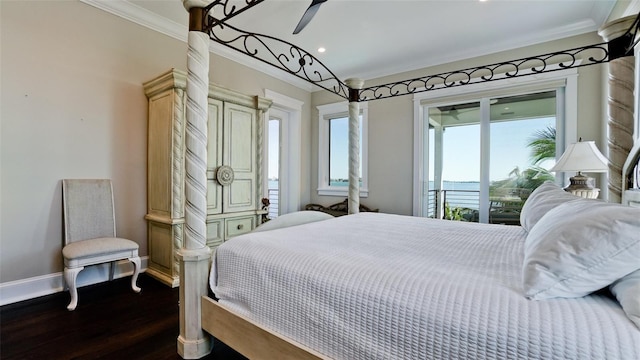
(492, 279)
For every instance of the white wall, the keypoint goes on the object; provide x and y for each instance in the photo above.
(72, 106)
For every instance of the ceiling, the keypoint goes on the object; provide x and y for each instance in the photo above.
(373, 38)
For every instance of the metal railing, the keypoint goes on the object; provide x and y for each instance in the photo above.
(273, 195)
(466, 199)
(466, 203)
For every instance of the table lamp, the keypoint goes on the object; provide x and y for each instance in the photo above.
(582, 156)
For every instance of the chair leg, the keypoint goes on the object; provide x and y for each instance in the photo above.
(70, 275)
(136, 272)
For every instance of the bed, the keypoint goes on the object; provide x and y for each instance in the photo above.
(381, 286)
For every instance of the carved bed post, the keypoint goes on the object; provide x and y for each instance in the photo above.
(354, 144)
(193, 343)
(620, 107)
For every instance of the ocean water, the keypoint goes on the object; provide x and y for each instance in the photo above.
(454, 200)
(447, 185)
(458, 185)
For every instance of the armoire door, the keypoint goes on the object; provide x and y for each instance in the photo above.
(239, 152)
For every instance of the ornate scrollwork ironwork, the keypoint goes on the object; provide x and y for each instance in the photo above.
(302, 64)
(592, 54)
(227, 11)
(281, 54)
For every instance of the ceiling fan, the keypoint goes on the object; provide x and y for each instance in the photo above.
(455, 110)
(308, 15)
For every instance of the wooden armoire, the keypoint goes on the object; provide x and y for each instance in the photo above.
(234, 163)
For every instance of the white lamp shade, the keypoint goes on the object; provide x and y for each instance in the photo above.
(582, 156)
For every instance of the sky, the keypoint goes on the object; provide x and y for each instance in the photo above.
(508, 149)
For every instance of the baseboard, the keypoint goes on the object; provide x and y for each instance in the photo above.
(19, 290)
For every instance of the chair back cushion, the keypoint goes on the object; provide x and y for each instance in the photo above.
(88, 209)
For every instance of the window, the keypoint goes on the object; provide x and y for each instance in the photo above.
(333, 150)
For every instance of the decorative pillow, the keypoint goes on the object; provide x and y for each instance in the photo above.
(627, 291)
(292, 219)
(579, 247)
(544, 198)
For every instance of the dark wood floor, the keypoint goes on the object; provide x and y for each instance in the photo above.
(110, 322)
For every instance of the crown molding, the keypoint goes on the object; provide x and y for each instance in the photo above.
(153, 21)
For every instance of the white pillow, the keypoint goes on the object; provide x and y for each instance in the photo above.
(292, 219)
(544, 198)
(579, 247)
(627, 291)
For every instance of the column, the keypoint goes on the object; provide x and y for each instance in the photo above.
(193, 342)
(620, 108)
(354, 145)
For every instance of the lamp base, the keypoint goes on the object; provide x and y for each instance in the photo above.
(582, 186)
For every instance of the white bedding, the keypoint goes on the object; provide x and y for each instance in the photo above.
(380, 286)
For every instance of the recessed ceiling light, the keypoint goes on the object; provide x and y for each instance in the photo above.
(321, 49)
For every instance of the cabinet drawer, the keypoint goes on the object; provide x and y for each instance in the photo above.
(239, 226)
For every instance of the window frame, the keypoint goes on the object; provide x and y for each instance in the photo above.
(565, 82)
(325, 114)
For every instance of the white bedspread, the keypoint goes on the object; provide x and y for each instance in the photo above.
(380, 286)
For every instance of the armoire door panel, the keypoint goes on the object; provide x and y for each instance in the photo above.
(159, 161)
(239, 144)
(214, 156)
(240, 195)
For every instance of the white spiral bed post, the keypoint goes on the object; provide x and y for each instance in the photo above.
(354, 145)
(193, 343)
(620, 108)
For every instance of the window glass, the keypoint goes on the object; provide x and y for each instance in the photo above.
(339, 151)
(520, 132)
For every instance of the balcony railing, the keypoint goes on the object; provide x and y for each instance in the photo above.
(465, 204)
(273, 195)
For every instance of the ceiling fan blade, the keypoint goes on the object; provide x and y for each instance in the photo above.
(308, 15)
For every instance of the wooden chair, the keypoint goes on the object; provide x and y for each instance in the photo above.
(90, 232)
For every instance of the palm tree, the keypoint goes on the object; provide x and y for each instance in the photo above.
(543, 145)
(526, 180)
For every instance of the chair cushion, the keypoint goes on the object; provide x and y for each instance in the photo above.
(97, 247)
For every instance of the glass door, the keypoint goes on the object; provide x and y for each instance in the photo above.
(273, 166)
(454, 161)
(485, 157)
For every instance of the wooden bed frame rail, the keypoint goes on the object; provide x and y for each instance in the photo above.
(234, 330)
